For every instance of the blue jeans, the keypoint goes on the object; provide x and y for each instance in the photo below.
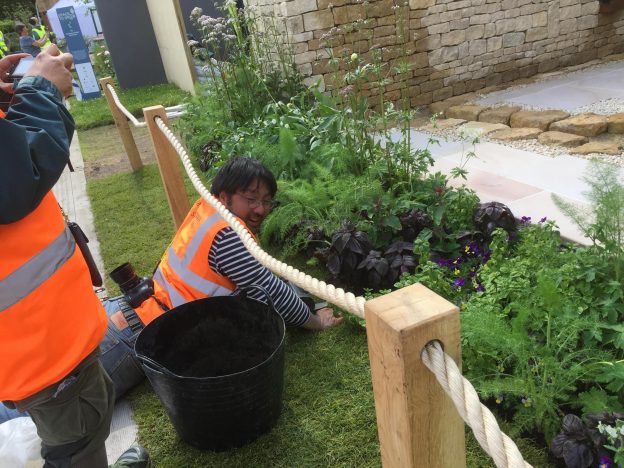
(118, 356)
(7, 414)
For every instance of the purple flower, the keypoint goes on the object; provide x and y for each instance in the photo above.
(479, 288)
(605, 462)
(525, 220)
(459, 282)
(543, 220)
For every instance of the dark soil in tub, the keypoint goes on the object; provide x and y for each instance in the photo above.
(231, 336)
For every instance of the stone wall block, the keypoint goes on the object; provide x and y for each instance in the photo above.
(297, 7)
(513, 39)
(536, 34)
(418, 4)
(441, 28)
(380, 8)
(324, 4)
(305, 69)
(305, 57)
(481, 19)
(428, 43)
(572, 11)
(453, 37)
(478, 47)
(348, 13)
(382, 31)
(316, 79)
(588, 22)
(524, 23)
(475, 32)
(318, 20)
(294, 25)
(568, 26)
(462, 23)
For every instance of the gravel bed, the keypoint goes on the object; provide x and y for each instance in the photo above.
(528, 145)
(605, 107)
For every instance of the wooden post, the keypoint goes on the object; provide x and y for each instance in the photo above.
(169, 165)
(121, 121)
(417, 422)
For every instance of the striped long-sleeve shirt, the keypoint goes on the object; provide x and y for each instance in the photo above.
(229, 257)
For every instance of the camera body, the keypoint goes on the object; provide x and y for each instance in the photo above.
(135, 289)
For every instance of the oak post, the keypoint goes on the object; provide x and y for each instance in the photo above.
(169, 165)
(121, 122)
(417, 422)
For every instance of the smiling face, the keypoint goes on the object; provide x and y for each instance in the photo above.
(252, 204)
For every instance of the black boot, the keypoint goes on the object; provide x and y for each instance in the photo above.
(135, 457)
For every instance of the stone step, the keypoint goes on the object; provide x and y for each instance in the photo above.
(582, 124)
(567, 140)
(514, 134)
(536, 119)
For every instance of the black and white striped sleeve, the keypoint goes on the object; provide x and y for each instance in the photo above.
(229, 257)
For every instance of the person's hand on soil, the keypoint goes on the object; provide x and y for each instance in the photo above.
(322, 320)
(54, 66)
(6, 64)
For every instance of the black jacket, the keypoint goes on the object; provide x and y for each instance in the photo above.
(34, 146)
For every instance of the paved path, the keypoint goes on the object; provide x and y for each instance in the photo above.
(71, 193)
(523, 180)
(567, 92)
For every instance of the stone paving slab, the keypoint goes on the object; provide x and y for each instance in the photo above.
(566, 92)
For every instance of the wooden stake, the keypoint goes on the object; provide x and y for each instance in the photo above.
(121, 121)
(417, 422)
(169, 165)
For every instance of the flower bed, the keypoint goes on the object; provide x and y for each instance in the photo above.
(541, 321)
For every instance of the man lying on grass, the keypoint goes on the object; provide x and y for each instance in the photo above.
(207, 258)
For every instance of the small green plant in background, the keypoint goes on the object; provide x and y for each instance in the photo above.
(603, 223)
(102, 62)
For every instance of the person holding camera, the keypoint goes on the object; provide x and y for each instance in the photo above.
(51, 321)
(205, 258)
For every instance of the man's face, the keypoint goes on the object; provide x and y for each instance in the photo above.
(252, 204)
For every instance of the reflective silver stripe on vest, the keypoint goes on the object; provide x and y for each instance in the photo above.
(180, 267)
(32, 274)
(174, 296)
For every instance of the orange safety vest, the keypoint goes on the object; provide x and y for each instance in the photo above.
(184, 274)
(50, 318)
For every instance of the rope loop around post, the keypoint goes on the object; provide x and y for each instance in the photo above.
(121, 107)
(497, 444)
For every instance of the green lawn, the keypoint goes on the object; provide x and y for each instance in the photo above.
(95, 112)
(328, 419)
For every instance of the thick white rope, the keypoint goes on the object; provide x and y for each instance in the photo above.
(125, 111)
(497, 444)
(172, 112)
(500, 447)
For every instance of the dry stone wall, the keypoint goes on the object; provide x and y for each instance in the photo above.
(452, 46)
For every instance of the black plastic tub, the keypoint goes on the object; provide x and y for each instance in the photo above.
(217, 365)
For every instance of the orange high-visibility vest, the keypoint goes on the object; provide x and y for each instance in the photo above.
(184, 274)
(50, 318)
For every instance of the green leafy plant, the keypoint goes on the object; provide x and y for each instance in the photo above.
(603, 223)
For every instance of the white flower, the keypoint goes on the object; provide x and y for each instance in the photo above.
(354, 57)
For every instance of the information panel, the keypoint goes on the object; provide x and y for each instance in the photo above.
(76, 45)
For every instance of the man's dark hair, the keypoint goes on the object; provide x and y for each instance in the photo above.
(19, 28)
(239, 173)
